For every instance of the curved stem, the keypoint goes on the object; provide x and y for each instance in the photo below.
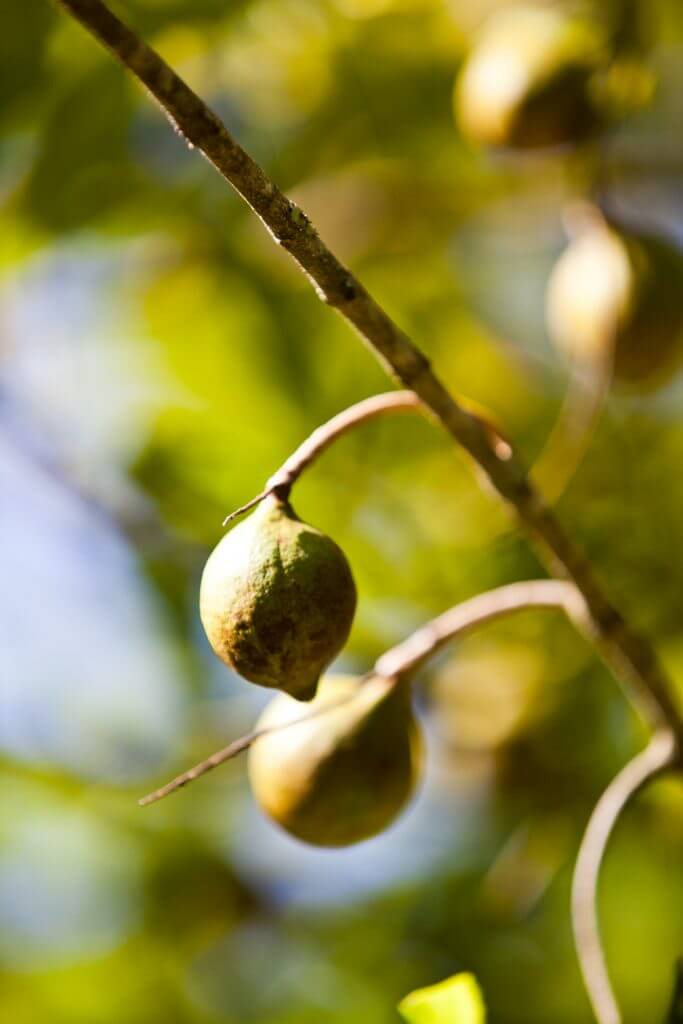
(630, 655)
(411, 653)
(657, 756)
(322, 437)
(401, 661)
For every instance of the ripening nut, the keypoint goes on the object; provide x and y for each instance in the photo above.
(527, 81)
(277, 600)
(345, 773)
(614, 300)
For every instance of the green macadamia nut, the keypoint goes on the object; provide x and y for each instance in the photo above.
(344, 773)
(277, 600)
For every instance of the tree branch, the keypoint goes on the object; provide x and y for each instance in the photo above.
(630, 656)
(654, 759)
(401, 661)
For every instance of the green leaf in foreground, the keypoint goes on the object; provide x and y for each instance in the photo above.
(457, 1000)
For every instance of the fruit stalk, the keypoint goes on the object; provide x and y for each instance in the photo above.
(283, 480)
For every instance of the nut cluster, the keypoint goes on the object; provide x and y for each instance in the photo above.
(277, 602)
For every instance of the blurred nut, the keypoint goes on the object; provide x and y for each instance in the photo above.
(344, 773)
(527, 80)
(615, 296)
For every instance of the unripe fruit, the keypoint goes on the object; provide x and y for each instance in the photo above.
(345, 773)
(614, 298)
(277, 600)
(527, 80)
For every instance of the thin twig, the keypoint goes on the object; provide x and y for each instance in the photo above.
(220, 757)
(402, 660)
(252, 503)
(322, 437)
(630, 656)
(659, 754)
(237, 747)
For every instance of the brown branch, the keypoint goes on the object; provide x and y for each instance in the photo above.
(322, 437)
(659, 754)
(630, 655)
(401, 661)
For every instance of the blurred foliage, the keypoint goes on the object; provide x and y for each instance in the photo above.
(159, 358)
(676, 1011)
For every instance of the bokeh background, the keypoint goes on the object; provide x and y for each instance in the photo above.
(159, 358)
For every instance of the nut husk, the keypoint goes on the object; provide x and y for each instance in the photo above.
(277, 600)
(527, 82)
(614, 296)
(345, 773)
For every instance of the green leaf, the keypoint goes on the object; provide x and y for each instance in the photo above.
(457, 1000)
